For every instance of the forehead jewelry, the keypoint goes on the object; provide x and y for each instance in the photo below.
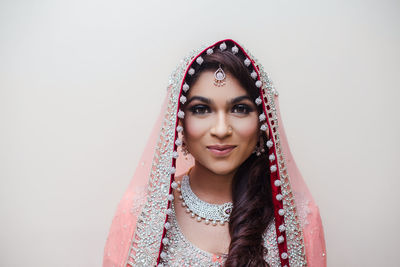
(219, 77)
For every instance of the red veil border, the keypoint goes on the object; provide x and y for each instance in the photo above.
(138, 226)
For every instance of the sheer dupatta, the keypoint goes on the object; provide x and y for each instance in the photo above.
(137, 230)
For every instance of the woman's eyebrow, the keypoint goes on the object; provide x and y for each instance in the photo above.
(239, 98)
(200, 98)
(208, 101)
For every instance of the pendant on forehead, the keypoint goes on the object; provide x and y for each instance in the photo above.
(219, 77)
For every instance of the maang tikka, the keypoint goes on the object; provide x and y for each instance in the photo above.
(219, 77)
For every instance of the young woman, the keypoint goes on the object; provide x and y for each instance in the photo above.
(239, 199)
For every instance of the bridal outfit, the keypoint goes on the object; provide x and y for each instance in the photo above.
(145, 231)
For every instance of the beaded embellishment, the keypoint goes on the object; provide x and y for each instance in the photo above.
(149, 233)
(219, 77)
(180, 252)
(201, 210)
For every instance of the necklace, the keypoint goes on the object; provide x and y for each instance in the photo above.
(201, 210)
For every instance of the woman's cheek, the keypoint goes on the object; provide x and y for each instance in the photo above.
(195, 127)
(246, 126)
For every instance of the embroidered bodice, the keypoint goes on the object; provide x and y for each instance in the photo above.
(179, 252)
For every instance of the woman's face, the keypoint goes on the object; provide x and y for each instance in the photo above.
(221, 127)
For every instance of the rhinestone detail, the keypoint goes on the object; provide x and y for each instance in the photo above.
(201, 209)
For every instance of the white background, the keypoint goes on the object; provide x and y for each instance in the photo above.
(81, 83)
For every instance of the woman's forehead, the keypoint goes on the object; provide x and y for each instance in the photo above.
(205, 87)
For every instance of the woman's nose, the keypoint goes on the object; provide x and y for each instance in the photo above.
(221, 127)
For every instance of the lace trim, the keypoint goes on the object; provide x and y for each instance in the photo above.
(181, 252)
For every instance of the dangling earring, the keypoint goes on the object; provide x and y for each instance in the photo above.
(184, 149)
(259, 149)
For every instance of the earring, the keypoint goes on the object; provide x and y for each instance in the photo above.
(259, 149)
(184, 149)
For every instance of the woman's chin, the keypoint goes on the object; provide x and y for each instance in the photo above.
(223, 169)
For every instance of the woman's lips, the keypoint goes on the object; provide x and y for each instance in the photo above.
(220, 150)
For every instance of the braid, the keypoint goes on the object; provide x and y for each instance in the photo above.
(251, 214)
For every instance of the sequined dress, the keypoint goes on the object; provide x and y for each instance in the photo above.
(179, 252)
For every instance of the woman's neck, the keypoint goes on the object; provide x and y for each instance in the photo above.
(211, 187)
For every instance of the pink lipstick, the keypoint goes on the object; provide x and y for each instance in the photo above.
(220, 150)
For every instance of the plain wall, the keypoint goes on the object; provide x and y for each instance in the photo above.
(81, 83)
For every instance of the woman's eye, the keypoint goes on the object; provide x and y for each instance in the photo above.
(242, 108)
(200, 109)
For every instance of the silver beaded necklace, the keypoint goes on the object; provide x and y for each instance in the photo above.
(201, 210)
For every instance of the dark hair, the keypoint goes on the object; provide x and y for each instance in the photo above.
(251, 190)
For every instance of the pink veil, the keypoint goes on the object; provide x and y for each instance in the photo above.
(138, 226)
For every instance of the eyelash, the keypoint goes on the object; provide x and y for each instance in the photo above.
(200, 109)
(203, 109)
(246, 109)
